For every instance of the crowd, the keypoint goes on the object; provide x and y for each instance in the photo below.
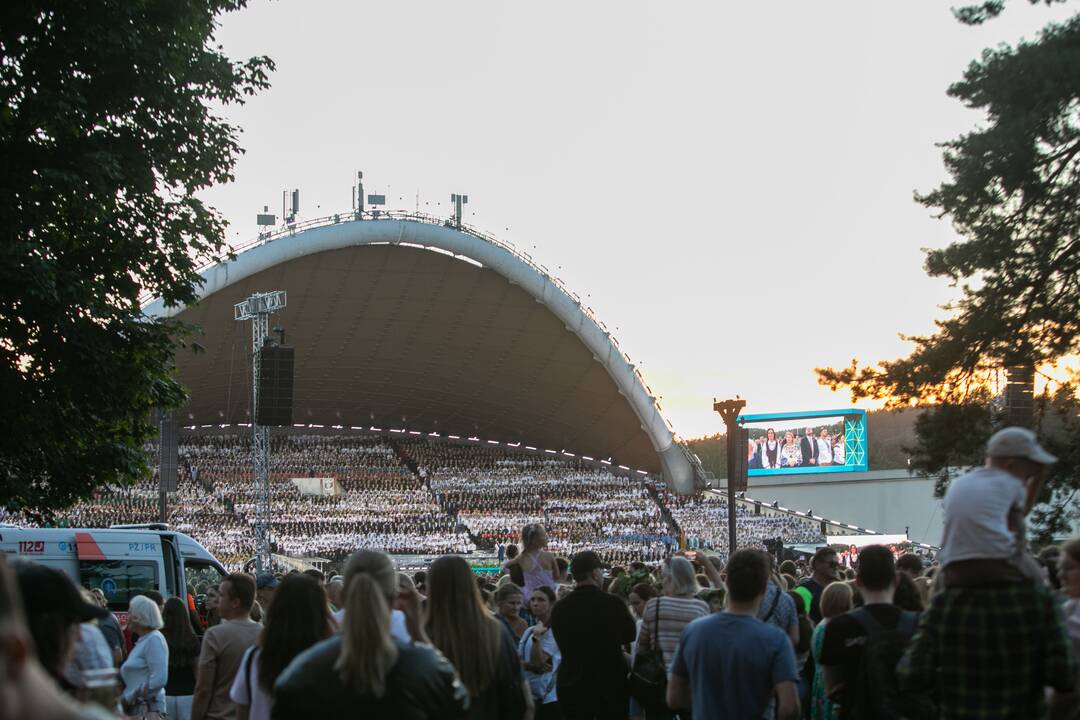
(382, 504)
(987, 631)
(704, 521)
(494, 494)
(421, 497)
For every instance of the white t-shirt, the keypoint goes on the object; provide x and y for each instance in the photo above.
(398, 628)
(259, 702)
(977, 506)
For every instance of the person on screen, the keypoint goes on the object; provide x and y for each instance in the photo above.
(824, 443)
(838, 449)
(809, 448)
(790, 454)
(752, 454)
(770, 451)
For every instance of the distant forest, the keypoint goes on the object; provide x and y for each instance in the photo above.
(888, 432)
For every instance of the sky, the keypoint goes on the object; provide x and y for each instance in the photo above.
(728, 185)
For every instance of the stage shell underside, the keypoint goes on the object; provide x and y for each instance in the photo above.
(403, 337)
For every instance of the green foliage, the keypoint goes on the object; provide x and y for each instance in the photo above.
(949, 438)
(712, 451)
(1014, 199)
(1060, 427)
(107, 133)
(978, 14)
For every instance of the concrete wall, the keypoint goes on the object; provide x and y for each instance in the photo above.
(886, 501)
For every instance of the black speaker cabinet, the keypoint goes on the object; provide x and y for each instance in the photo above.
(275, 386)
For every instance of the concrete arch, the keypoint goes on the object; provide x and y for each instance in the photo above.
(677, 465)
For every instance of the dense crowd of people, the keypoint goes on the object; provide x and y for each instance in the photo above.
(494, 493)
(419, 497)
(703, 520)
(988, 630)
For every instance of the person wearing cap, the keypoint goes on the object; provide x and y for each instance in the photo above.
(985, 509)
(994, 639)
(265, 585)
(590, 628)
(53, 607)
(27, 691)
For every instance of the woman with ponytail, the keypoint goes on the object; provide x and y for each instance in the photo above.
(364, 671)
(482, 650)
(536, 565)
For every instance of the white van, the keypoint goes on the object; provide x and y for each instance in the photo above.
(122, 561)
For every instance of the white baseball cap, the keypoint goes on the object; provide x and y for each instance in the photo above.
(1018, 442)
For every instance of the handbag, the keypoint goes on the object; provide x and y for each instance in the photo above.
(648, 677)
(142, 711)
(509, 693)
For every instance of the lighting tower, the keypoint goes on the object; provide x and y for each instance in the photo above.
(258, 309)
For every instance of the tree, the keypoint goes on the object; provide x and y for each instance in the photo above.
(1014, 199)
(107, 134)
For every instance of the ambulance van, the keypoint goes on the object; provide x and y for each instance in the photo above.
(122, 561)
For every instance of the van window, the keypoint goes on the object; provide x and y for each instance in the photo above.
(119, 580)
(200, 574)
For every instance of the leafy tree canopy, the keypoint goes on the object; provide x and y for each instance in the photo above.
(1014, 199)
(107, 133)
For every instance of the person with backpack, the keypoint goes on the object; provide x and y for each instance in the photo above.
(861, 648)
(778, 608)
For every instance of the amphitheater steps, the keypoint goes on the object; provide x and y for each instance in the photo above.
(408, 462)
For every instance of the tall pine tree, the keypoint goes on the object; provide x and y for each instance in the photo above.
(1014, 199)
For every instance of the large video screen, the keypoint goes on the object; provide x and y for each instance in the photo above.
(795, 443)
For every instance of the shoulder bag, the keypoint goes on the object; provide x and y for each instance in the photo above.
(648, 678)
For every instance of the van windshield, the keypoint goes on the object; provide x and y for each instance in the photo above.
(199, 575)
(119, 580)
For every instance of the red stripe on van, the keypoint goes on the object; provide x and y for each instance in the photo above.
(86, 548)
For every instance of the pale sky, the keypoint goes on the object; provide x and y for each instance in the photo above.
(728, 185)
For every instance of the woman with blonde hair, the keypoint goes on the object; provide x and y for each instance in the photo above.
(836, 599)
(664, 617)
(538, 567)
(790, 453)
(146, 670)
(477, 644)
(363, 671)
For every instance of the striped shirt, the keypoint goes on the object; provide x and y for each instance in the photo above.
(672, 615)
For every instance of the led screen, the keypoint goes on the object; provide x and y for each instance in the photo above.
(805, 442)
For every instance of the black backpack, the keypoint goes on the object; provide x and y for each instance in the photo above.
(875, 694)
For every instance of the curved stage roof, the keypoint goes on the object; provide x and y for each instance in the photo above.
(405, 324)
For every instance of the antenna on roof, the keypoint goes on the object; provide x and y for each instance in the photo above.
(265, 219)
(358, 194)
(458, 201)
(290, 205)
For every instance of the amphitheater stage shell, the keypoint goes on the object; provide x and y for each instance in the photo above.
(404, 323)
